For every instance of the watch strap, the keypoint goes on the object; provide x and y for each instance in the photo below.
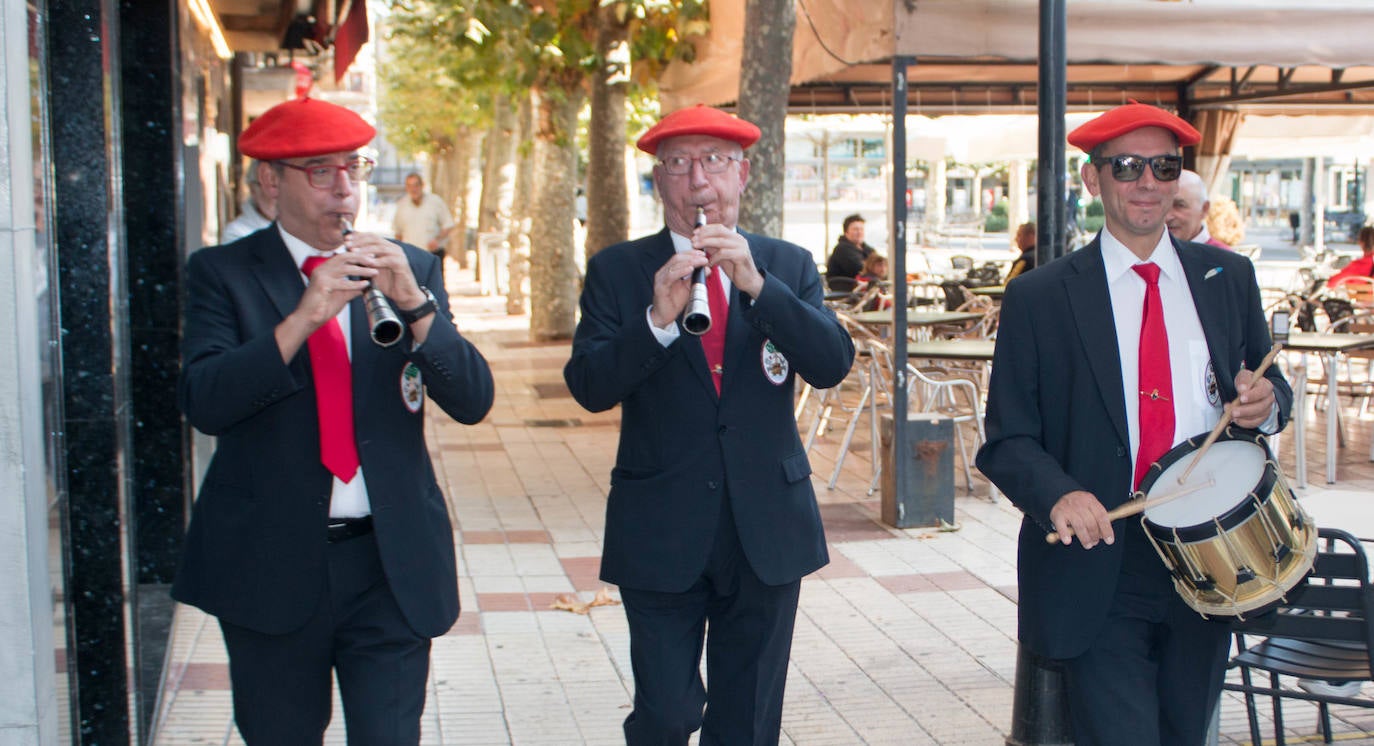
(413, 315)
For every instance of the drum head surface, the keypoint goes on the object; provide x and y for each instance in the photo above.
(1235, 467)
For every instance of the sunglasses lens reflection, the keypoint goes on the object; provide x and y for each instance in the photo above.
(1132, 167)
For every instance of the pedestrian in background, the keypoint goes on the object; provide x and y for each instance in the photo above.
(422, 219)
(257, 212)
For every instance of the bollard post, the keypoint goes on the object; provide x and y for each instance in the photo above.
(1040, 707)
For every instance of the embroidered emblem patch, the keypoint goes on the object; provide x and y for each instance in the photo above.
(775, 365)
(1209, 384)
(412, 387)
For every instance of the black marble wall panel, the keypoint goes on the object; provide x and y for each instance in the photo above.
(148, 128)
(82, 94)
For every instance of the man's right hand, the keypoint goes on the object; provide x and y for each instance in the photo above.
(331, 288)
(1080, 514)
(673, 285)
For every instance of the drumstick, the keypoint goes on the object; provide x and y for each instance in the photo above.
(1136, 506)
(1226, 415)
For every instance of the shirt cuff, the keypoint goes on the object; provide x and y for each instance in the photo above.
(1271, 425)
(665, 335)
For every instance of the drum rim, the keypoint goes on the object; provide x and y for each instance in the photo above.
(1238, 513)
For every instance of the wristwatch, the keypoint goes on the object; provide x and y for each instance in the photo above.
(413, 315)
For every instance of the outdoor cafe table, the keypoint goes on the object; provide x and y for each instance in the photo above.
(992, 291)
(922, 320)
(952, 349)
(1329, 347)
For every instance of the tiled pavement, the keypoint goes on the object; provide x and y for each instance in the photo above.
(907, 637)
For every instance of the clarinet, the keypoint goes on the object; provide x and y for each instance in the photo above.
(385, 326)
(696, 319)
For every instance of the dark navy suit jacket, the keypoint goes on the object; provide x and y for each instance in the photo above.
(1056, 419)
(682, 448)
(255, 549)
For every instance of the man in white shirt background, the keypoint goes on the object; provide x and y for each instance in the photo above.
(422, 218)
(259, 210)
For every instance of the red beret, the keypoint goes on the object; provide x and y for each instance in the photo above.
(1128, 118)
(303, 127)
(699, 120)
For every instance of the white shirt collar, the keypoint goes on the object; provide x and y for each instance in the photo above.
(1203, 235)
(1118, 260)
(300, 250)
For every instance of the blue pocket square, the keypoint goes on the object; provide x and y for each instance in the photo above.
(1213, 272)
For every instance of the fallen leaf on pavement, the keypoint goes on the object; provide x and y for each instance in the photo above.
(570, 601)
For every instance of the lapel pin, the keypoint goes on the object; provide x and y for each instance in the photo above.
(1213, 272)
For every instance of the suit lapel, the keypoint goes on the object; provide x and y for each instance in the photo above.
(1212, 300)
(737, 333)
(277, 272)
(654, 259)
(1092, 315)
(364, 359)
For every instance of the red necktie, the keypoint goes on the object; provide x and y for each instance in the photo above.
(1156, 382)
(333, 392)
(713, 341)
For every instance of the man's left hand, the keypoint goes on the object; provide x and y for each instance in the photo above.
(394, 278)
(728, 250)
(1256, 400)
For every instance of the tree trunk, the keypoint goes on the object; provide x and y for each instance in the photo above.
(498, 180)
(608, 213)
(519, 236)
(450, 179)
(765, 74)
(553, 273)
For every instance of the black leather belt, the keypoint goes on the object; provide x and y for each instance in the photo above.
(343, 529)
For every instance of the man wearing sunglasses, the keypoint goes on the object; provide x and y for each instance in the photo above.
(319, 537)
(1105, 359)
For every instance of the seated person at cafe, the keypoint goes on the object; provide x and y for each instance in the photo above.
(873, 274)
(1025, 243)
(1362, 267)
(847, 258)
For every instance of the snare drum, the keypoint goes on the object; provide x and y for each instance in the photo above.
(1238, 545)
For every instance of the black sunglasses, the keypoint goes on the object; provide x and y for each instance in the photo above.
(1132, 167)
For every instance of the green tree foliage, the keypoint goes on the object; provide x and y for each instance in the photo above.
(429, 82)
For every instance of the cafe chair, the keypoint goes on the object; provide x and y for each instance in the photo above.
(1322, 633)
(1356, 379)
(961, 262)
(841, 284)
(1359, 291)
(819, 411)
(955, 397)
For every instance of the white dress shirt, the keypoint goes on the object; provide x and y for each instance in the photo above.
(1196, 395)
(347, 499)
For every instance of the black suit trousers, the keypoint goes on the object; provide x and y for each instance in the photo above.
(747, 651)
(1153, 675)
(282, 683)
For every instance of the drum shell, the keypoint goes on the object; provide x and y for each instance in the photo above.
(1246, 559)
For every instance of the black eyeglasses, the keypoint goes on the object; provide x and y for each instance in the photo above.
(1131, 167)
(711, 163)
(322, 175)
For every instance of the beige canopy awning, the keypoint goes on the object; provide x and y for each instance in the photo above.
(976, 56)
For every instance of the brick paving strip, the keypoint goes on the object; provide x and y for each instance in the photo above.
(907, 637)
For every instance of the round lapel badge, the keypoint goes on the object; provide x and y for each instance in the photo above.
(775, 365)
(412, 387)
